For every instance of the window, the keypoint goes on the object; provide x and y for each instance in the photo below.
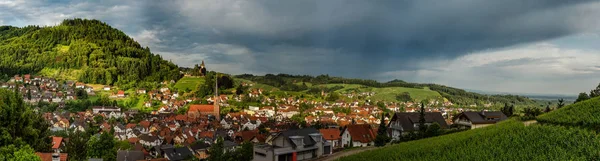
(260, 154)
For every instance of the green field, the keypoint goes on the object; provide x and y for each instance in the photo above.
(388, 93)
(582, 114)
(61, 74)
(265, 87)
(189, 83)
(509, 140)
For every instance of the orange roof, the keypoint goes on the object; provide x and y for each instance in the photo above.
(145, 123)
(133, 140)
(330, 134)
(48, 156)
(209, 134)
(56, 141)
(202, 108)
(121, 92)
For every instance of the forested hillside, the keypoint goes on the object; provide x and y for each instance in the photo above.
(91, 50)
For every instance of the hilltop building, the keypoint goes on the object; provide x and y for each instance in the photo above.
(202, 69)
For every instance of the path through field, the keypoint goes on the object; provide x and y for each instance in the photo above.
(338, 155)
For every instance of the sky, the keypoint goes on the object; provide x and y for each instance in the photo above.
(516, 46)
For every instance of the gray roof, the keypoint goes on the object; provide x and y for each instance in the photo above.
(178, 153)
(130, 155)
(481, 117)
(408, 119)
(301, 132)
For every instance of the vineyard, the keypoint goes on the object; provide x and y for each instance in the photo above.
(509, 140)
(582, 114)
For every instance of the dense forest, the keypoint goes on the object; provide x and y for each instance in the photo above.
(101, 54)
(455, 95)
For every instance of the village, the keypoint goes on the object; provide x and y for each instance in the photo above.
(280, 129)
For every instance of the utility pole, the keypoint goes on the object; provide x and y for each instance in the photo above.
(216, 101)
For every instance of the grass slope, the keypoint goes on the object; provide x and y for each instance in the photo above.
(388, 93)
(583, 114)
(509, 140)
(189, 83)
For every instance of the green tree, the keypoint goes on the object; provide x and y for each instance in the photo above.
(422, 126)
(25, 154)
(582, 97)
(216, 151)
(595, 92)
(382, 137)
(333, 96)
(101, 147)
(246, 152)
(404, 97)
(240, 90)
(433, 130)
(76, 147)
(20, 126)
(560, 104)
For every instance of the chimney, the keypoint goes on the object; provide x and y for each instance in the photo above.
(55, 157)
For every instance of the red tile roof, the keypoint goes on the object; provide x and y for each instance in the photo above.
(133, 140)
(56, 141)
(361, 132)
(48, 156)
(145, 123)
(209, 134)
(330, 134)
(201, 108)
(130, 125)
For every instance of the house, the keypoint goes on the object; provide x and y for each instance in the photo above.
(358, 135)
(57, 144)
(130, 155)
(106, 88)
(473, 120)
(52, 156)
(80, 85)
(200, 150)
(149, 140)
(121, 94)
(331, 135)
(100, 109)
(404, 122)
(141, 91)
(296, 145)
(176, 154)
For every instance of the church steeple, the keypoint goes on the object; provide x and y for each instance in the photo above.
(202, 69)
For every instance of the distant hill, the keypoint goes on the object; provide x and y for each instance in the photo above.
(87, 50)
(535, 96)
(316, 84)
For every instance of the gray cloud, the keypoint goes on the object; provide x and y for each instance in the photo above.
(352, 38)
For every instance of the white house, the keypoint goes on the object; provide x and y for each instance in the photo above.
(358, 136)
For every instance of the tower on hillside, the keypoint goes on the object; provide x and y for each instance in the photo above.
(216, 109)
(202, 69)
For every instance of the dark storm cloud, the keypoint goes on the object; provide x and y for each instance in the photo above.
(377, 35)
(351, 38)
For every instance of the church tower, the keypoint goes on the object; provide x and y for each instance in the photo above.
(202, 69)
